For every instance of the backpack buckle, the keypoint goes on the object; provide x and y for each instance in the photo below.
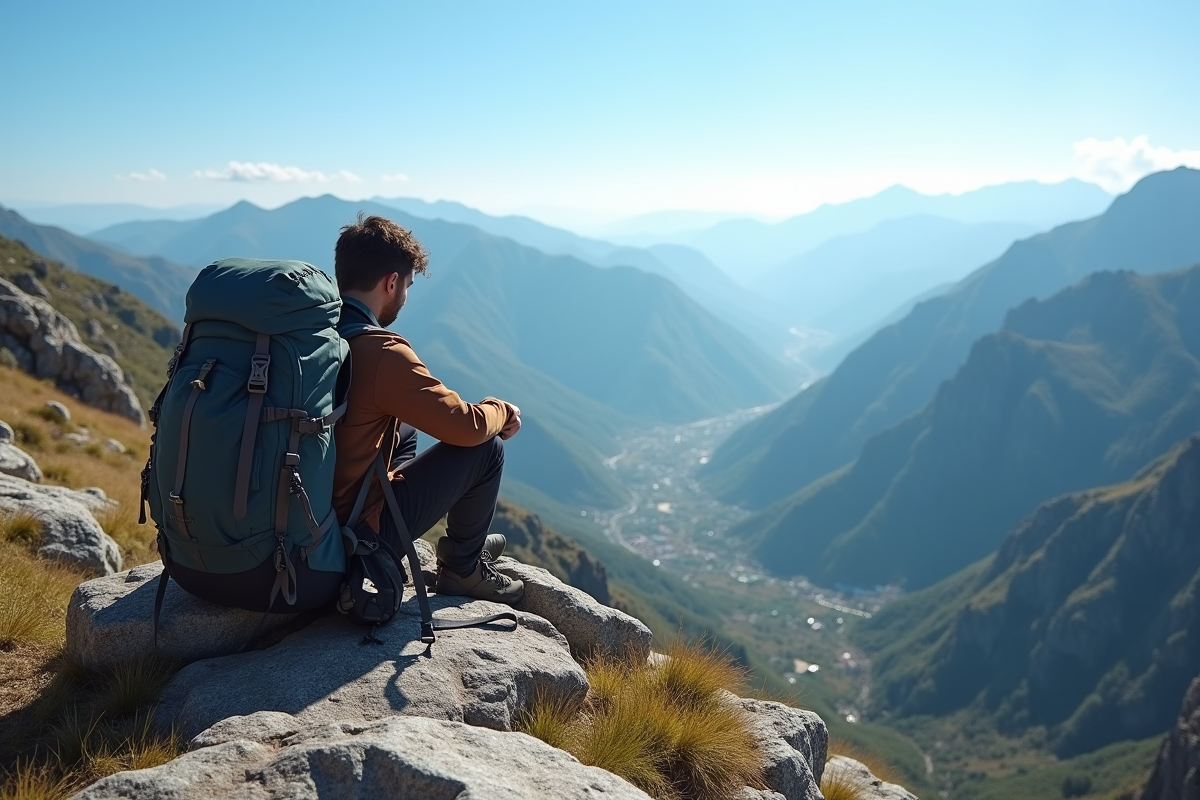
(257, 382)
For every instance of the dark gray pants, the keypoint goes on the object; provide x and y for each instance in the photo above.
(460, 483)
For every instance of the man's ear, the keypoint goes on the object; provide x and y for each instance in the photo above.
(389, 283)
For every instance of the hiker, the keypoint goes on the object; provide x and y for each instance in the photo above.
(392, 396)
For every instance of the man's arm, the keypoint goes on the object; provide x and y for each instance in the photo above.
(405, 389)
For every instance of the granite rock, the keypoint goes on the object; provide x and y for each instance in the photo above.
(335, 670)
(1176, 774)
(432, 759)
(589, 626)
(69, 531)
(16, 462)
(853, 773)
(794, 745)
(110, 619)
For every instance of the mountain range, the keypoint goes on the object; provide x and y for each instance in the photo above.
(897, 370)
(1075, 391)
(583, 350)
(1085, 621)
(751, 248)
(157, 281)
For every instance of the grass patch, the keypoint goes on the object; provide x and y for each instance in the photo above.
(665, 727)
(20, 527)
(33, 605)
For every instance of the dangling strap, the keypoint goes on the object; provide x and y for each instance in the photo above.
(256, 385)
(428, 624)
(163, 578)
(185, 428)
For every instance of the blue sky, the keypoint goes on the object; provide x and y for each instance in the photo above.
(598, 109)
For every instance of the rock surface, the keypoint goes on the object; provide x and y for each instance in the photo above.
(393, 758)
(69, 531)
(794, 745)
(588, 626)
(331, 671)
(58, 411)
(110, 619)
(1176, 774)
(849, 772)
(6, 432)
(16, 462)
(48, 345)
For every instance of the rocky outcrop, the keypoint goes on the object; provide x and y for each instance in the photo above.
(530, 542)
(794, 744)
(47, 344)
(847, 772)
(16, 462)
(333, 670)
(109, 620)
(410, 757)
(69, 532)
(588, 626)
(1176, 774)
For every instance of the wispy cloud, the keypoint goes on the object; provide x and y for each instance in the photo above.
(149, 176)
(1117, 164)
(395, 177)
(270, 172)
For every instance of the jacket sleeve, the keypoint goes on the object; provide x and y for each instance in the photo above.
(405, 389)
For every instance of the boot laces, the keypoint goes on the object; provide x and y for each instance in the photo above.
(490, 573)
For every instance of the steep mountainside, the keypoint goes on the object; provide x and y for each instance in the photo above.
(1086, 621)
(896, 372)
(1176, 773)
(110, 320)
(1078, 390)
(157, 281)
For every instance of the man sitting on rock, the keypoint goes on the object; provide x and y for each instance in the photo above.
(459, 476)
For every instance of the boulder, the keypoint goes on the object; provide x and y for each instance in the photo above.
(114, 446)
(6, 432)
(794, 744)
(588, 626)
(16, 462)
(47, 344)
(69, 531)
(335, 670)
(110, 619)
(848, 772)
(30, 285)
(392, 758)
(58, 411)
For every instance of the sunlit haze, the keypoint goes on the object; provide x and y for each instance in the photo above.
(585, 113)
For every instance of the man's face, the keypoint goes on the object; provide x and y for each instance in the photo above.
(396, 299)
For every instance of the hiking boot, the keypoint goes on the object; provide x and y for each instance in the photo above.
(493, 547)
(484, 583)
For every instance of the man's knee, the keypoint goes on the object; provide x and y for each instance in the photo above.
(497, 452)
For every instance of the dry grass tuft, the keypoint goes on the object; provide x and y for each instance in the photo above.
(839, 783)
(20, 527)
(664, 727)
(29, 780)
(33, 605)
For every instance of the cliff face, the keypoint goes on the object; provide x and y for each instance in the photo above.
(1176, 774)
(529, 541)
(1087, 619)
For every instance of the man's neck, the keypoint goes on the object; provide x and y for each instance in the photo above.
(373, 304)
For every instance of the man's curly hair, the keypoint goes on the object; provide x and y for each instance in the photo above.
(373, 248)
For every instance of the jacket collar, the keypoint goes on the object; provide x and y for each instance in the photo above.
(361, 308)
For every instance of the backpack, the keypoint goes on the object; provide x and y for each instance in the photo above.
(241, 462)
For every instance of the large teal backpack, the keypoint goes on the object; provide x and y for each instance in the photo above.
(241, 465)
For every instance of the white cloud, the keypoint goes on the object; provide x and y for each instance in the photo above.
(270, 172)
(1117, 164)
(395, 177)
(149, 176)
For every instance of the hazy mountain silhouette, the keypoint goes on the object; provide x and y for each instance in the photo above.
(1085, 621)
(1076, 391)
(152, 279)
(850, 282)
(83, 219)
(896, 372)
(751, 248)
(585, 351)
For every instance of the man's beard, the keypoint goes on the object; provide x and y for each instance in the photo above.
(389, 313)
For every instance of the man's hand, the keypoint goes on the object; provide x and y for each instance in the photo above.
(514, 422)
